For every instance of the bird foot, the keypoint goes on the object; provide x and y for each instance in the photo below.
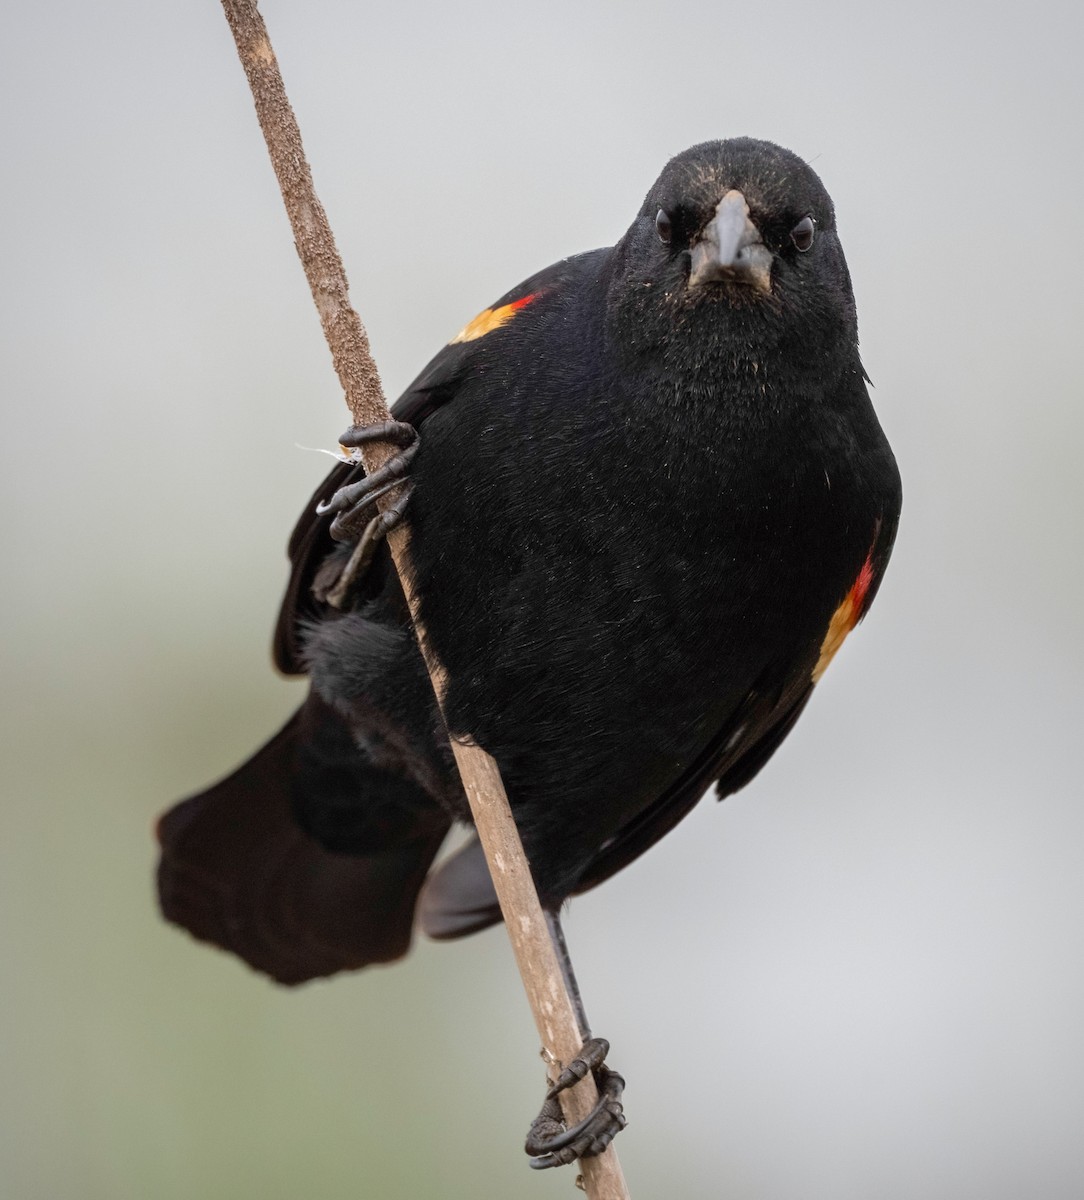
(549, 1140)
(353, 504)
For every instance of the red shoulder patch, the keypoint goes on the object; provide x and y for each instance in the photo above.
(845, 618)
(492, 318)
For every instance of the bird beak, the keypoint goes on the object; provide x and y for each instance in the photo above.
(730, 249)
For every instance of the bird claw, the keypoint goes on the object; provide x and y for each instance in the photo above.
(549, 1141)
(353, 504)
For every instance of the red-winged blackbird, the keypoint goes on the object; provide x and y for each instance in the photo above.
(650, 499)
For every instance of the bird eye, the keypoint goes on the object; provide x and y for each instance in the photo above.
(663, 227)
(802, 234)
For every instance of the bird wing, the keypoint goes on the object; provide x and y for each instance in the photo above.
(309, 546)
(437, 385)
(458, 897)
(748, 738)
(730, 760)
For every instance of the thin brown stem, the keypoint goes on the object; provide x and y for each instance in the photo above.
(554, 1012)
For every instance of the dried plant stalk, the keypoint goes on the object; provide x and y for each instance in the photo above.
(536, 957)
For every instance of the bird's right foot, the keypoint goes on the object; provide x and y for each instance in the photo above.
(549, 1140)
(353, 504)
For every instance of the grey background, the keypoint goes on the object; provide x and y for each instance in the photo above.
(862, 977)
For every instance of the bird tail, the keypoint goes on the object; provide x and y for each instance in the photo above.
(238, 870)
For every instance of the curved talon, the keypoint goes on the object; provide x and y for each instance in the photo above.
(366, 490)
(347, 524)
(399, 433)
(591, 1056)
(549, 1142)
(362, 554)
(541, 1140)
(350, 502)
(353, 503)
(344, 498)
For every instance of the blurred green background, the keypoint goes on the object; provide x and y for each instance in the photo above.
(860, 978)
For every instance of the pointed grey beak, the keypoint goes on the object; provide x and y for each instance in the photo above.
(730, 249)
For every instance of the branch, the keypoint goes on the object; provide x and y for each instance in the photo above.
(550, 1002)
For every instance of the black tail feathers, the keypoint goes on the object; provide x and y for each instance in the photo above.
(237, 868)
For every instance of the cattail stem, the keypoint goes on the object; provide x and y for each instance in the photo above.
(554, 1013)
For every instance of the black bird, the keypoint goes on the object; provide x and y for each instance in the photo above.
(649, 500)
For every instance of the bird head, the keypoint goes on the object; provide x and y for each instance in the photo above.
(737, 232)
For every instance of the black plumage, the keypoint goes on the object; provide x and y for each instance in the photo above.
(651, 498)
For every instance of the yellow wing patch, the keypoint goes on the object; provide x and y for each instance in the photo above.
(844, 619)
(492, 318)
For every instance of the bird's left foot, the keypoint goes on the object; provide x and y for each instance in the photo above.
(549, 1141)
